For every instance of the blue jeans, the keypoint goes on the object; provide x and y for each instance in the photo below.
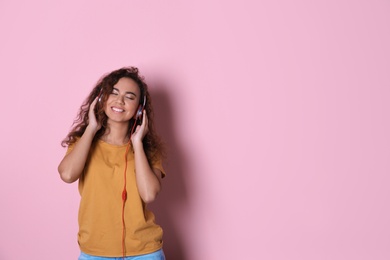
(158, 255)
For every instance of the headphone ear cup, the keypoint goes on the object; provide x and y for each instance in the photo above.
(138, 116)
(100, 95)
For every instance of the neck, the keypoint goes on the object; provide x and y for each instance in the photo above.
(116, 134)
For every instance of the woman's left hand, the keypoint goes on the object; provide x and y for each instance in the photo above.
(140, 130)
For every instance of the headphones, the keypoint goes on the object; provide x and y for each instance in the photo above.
(100, 95)
(139, 114)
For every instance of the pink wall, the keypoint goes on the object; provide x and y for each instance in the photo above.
(276, 114)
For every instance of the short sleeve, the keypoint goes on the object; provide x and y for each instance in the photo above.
(71, 146)
(158, 165)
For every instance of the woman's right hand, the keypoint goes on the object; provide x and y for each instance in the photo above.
(72, 165)
(92, 122)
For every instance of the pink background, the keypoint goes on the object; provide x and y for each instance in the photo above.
(276, 114)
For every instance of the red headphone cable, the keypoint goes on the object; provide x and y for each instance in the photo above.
(124, 195)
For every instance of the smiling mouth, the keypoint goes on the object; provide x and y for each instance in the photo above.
(117, 109)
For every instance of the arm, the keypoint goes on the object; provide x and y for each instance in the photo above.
(72, 165)
(148, 179)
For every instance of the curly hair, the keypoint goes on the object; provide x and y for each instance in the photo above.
(152, 143)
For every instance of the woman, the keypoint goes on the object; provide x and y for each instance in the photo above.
(114, 152)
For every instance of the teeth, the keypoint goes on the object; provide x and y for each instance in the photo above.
(117, 109)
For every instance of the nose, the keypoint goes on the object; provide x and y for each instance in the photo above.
(120, 99)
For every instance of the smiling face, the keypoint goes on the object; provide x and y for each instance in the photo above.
(123, 102)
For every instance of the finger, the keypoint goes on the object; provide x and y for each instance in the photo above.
(144, 118)
(136, 129)
(93, 104)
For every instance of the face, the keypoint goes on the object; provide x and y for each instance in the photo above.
(123, 102)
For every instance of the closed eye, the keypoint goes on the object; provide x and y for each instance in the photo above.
(128, 95)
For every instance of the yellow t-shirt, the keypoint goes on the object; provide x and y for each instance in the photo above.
(100, 212)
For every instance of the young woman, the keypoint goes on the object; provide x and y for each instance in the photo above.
(115, 153)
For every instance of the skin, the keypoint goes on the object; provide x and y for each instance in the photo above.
(120, 107)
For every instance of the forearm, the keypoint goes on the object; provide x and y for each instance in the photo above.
(72, 165)
(148, 179)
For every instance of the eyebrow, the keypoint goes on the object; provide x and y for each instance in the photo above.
(128, 92)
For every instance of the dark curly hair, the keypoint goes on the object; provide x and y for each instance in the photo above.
(152, 143)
